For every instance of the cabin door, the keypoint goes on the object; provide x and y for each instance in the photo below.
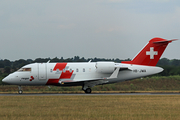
(42, 71)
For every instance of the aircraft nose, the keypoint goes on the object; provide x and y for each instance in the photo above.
(6, 80)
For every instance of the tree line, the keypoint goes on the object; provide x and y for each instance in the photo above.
(171, 67)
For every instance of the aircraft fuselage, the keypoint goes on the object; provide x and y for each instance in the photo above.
(69, 74)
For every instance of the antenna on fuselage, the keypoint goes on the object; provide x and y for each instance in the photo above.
(48, 61)
(89, 61)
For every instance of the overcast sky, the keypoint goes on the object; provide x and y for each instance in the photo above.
(32, 29)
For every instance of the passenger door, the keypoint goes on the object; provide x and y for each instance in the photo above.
(42, 71)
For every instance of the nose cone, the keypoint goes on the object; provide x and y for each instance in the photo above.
(9, 79)
(6, 80)
(3, 80)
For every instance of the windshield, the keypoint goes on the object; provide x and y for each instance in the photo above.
(24, 69)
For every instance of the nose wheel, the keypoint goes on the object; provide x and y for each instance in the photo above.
(20, 90)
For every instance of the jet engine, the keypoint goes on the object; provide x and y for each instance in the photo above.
(105, 67)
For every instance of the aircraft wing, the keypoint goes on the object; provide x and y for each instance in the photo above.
(96, 81)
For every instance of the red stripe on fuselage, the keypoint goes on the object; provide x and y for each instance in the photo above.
(52, 82)
(60, 66)
(64, 75)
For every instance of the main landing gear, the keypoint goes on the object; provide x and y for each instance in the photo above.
(20, 90)
(88, 90)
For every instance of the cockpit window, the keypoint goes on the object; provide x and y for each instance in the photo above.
(24, 69)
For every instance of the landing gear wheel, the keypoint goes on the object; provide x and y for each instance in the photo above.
(20, 91)
(88, 90)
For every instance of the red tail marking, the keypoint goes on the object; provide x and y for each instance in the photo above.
(151, 53)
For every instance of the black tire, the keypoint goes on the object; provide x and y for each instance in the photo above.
(88, 90)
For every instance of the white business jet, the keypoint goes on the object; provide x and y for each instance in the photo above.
(89, 74)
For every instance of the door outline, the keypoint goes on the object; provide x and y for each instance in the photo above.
(42, 71)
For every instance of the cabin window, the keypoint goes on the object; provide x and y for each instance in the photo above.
(24, 70)
(77, 70)
(83, 69)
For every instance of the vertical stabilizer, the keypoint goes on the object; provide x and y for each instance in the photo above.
(151, 53)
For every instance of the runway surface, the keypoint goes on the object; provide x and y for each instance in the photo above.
(96, 94)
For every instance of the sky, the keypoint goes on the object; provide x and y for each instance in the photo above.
(31, 29)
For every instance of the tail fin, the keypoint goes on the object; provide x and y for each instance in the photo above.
(151, 53)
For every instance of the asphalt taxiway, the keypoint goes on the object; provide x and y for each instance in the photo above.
(92, 94)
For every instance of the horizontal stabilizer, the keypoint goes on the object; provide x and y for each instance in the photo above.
(165, 41)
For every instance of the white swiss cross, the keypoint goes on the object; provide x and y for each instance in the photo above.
(151, 53)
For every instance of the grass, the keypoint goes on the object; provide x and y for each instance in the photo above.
(90, 107)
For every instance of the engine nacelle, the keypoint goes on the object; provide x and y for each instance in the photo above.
(105, 67)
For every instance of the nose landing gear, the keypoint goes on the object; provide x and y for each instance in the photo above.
(20, 90)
